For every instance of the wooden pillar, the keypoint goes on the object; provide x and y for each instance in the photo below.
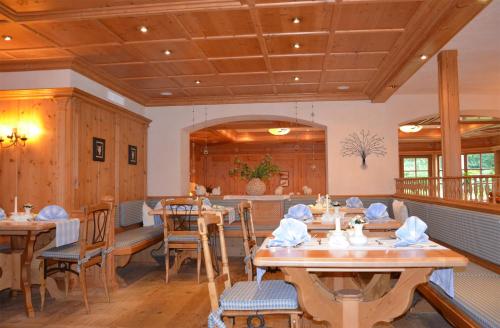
(449, 110)
(497, 162)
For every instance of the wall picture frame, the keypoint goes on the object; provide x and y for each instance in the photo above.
(132, 155)
(284, 176)
(98, 149)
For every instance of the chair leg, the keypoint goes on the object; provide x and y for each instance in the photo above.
(199, 257)
(41, 273)
(295, 321)
(83, 286)
(66, 282)
(249, 271)
(104, 277)
(167, 262)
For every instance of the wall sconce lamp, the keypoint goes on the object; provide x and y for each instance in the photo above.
(14, 139)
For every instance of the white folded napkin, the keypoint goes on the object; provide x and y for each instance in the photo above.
(353, 202)
(376, 211)
(299, 212)
(411, 232)
(291, 232)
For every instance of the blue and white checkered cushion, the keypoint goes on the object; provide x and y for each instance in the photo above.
(135, 236)
(183, 238)
(69, 252)
(130, 212)
(272, 295)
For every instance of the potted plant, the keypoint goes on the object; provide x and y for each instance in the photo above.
(255, 176)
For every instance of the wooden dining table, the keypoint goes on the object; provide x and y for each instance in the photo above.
(27, 232)
(349, 305)
(372, 225)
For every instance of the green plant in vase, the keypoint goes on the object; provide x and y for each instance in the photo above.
(255, 176)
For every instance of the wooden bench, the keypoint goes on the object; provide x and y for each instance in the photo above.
(130, 237)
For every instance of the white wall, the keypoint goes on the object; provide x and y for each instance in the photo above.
(168, 155)
(63, 78)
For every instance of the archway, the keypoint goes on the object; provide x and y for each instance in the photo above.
(300, 154)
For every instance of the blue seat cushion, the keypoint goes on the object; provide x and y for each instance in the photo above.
(477, 293)
(69, 252)
(130, 212)
(135, 236)
(272, 295)
(183, 238)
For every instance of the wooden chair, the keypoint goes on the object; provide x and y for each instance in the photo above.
(244, 298)
(178, 235)
(91, 250)
(249, 238)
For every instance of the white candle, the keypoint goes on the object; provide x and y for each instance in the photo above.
(337, 223)
(327, 204)
(15, 204)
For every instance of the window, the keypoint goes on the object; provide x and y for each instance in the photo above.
(474, 164)
(416, 167)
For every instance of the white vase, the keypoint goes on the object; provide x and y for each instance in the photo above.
(256, 187)
(358, 238)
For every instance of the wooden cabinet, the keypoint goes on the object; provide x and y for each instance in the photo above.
(57, 167)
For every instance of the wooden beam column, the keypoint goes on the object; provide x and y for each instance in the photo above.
(449, 110)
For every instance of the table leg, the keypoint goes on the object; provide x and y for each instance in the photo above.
(316, 300)
(26, 273)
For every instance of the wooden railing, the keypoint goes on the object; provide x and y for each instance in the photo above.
(480, 188)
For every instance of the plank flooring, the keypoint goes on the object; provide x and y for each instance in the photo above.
(148, 302)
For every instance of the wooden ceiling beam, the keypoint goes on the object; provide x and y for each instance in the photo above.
(334, 19)
(435, 23)
(262, 42)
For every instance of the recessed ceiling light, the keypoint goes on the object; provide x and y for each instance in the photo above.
(343, 87)
(143, 29)
(7, 37)
(410, 128)
(166, 93)
(279, 131)
(167, 52)
(423, 57)
(296, 20)
(296, 45)
(296, 78)
(197, 81)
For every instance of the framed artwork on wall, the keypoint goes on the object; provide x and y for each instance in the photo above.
(98, 149)
(132, 155)
(284, 176)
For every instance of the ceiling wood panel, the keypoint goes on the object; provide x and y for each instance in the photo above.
(106, 54)
(39, 53)
(239, 65)
(22, 38)
(252, 89)
(132, 70)
(152, 83)
(376, 15)
(241, 51)
(279, 20)
(230, 47)
(302, 63)
(355, 60)
(308, 44)
(75, 33)
(160, 27)
(191, 67)
(217, 23)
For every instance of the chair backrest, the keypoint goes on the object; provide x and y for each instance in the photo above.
(247, 228)
(98, 220)
(400, 210)
(214, 283)
(177, 212)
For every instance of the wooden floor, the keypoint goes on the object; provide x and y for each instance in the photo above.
(148, 302)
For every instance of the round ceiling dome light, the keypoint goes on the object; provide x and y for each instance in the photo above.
(166, 93)
(279, 131)
(410, 128)
(343, 87)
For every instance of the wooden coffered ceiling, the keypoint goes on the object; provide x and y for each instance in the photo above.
(470, 127)
(238, 50)
(257, 132)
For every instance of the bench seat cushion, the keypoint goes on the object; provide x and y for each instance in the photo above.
(69, 252)
(477, 293)
(272, 295)
(183, 238)
(135, 236)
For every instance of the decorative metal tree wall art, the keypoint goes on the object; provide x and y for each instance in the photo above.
(363, 144)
